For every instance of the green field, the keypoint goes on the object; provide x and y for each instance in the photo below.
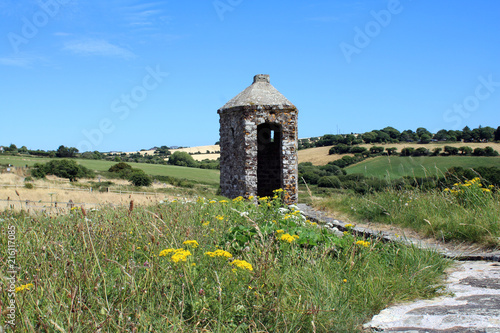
(199, 175)
(396, 167)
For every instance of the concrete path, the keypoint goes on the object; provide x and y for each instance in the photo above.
(473, 304)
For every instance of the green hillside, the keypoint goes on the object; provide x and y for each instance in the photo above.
(397, 167)
(195, 174)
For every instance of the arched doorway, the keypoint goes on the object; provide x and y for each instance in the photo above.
(269, 159)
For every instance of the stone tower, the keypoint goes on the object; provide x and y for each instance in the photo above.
(258, 143)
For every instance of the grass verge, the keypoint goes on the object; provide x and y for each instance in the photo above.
(468, 212)
(219, 266)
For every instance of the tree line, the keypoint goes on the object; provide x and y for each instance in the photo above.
(392, 135)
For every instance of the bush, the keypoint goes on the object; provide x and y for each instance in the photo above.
(62, 168)
(339, 149)
(329, 181)
(358, 150)
(28, 185)
(140, 179)
(182, 158)
(119, 167)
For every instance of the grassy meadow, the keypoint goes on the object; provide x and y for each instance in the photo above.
(204, 176)
(393, 167)
(205, 266)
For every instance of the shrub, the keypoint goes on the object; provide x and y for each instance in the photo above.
(28, 185)
(407, 151)
(329, 181)
(490, 151)
(333, 169)
(140, 179)
(358, 150)
(182, 158)
(339, 149)
(119, 167)
(62, 168)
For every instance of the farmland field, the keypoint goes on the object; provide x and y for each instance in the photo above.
(199, 175)
(396, 166)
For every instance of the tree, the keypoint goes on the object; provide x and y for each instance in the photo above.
(12, 148)
(392, 132)
(181, 158)
(408, 136)
(62, 168)
(23, 149)
(497, 134)
(369, 137)
(63, 151)
(486, 133)
(421, 131)
(441, 135)
(425, 138)
(466, 134)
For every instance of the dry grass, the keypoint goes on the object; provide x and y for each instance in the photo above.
(60, 193)
(191, 150)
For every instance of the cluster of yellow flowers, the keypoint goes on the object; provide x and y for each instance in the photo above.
(238, 199)
(220, 217)
(219, 253)
(178, 254)
(476, 182)
(242, 264)
(24, 287)
(288, 238)
(363, 243)
(194, 244)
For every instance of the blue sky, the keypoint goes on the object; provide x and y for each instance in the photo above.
(125, 75)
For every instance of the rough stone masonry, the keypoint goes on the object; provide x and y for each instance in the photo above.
(258, 143)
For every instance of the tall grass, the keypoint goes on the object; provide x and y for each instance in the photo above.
(140, 269)
(468, 212)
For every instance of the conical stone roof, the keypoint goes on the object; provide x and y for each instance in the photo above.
(260, 93)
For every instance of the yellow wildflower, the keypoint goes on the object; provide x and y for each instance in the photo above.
(363, 243)
(250, 197)
(180, 255)
(289, 238)
(280, 231)
(166, 252)
(242, 264)
(219, 253)
(238, 199)
(349, 225)
(220, 217)
(192, 243)
(24, 287)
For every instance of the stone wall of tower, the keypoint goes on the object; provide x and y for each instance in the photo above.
(239, 152)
